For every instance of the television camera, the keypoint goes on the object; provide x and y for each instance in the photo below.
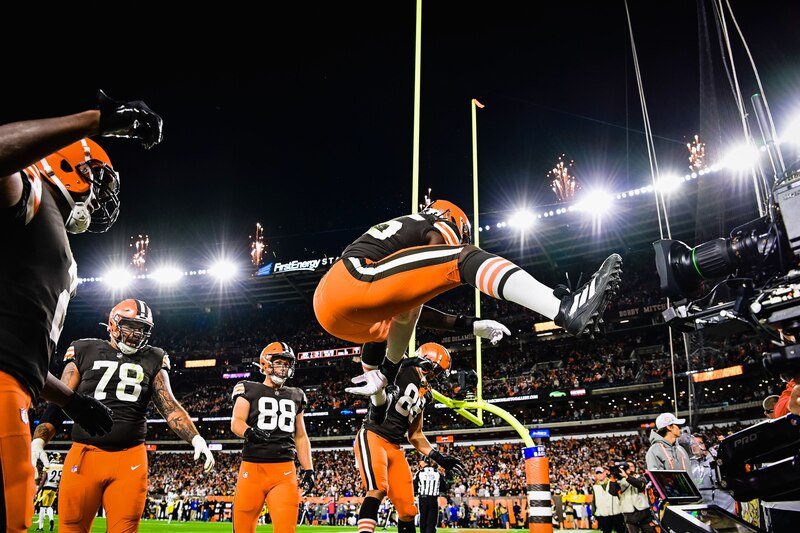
(760, 260)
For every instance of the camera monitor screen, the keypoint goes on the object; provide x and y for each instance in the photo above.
(675, 486)
(704, 518)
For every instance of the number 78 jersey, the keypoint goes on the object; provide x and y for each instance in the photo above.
(124, 383)
(274, 411)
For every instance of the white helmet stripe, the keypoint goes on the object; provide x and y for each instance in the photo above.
(144, 311)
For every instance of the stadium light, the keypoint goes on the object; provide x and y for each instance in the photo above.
(117, 278)
(167, 275)
(595, 202)
(741, 158)
(522, 219)
(669, 183)
(792, 133)
(223, 270)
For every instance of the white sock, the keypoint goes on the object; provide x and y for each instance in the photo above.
(525, 290)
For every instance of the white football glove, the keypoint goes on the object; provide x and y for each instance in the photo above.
(200, 447)
(490, 329)
(37, 454)
(368, 383)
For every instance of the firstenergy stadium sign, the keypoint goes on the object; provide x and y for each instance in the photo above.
(297, 265)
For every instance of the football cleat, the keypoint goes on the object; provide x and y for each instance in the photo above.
(581, 312)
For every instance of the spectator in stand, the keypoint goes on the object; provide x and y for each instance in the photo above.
(665, 453)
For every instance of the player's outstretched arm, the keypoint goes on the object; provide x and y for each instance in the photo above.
(486, 329)
(26, 142)
(178, 419)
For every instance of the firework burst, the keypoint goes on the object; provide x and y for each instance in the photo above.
(562, 182)
(697, 154)
(140, 246)
(257, 246)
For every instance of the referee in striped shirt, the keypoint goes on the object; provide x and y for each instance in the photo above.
(427, 485)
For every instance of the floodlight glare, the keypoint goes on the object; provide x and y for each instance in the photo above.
(223, 270)
(167, 275)
(117, 278)
(668, 183)
(522, 219)
(596, 202)
(792, 133)
(741, 158)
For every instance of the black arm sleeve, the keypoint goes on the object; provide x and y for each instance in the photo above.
(435, 319)
(638, 483)
(53, 415)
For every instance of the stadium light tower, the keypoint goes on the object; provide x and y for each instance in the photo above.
(167, 275)
(223, 270)
(117, 278)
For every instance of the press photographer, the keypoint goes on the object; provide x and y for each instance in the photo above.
(605, 503)
(634, 502)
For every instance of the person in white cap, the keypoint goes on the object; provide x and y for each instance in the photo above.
(664, 452)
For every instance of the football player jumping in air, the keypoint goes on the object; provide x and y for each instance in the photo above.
(124, 373)
(378, 446)
(269, 417)
(375, 293)
(53, 180)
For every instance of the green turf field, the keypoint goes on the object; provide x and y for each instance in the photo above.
(159, 526)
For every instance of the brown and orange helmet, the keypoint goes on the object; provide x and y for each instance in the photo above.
(128, 338)
(450, 212)
(83, 173)
(279, 373)
(437, 354)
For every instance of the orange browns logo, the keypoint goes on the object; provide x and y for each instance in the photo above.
(69, 355)
(238, 390)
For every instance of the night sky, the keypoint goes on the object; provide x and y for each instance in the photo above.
(301, 117)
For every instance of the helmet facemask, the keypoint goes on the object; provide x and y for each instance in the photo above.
(131, 335)
(279, 369)
(439, 356)
(104, 199)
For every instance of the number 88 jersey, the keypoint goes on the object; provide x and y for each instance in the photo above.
(274, 411)
(124, 383)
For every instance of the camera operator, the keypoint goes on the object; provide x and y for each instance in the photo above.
(704, 475)
(780, 516)
(605, 503)
(789, 400)
(633, 499)
(665, 453)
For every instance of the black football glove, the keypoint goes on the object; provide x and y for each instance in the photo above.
(422, 363)
(449, 463)
(131, 120)
(307, 481)
(94, 417)
(256, 435)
